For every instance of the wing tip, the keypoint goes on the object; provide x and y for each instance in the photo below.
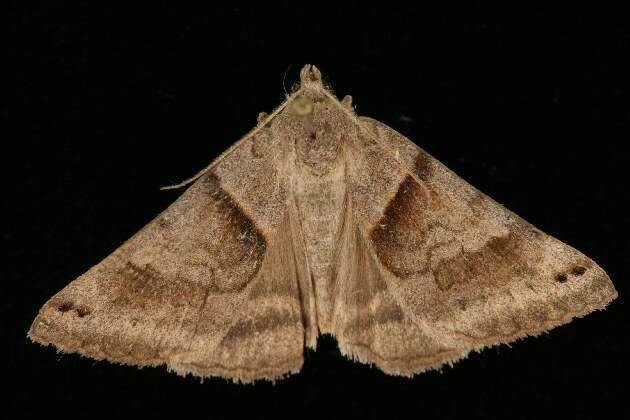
(415, 365)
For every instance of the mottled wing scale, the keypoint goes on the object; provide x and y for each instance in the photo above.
(465, 272)
(203, 288)
(322, 222)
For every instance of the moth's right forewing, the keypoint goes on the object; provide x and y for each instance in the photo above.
(464, 271)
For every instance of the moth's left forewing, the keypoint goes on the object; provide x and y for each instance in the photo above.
(209, 287)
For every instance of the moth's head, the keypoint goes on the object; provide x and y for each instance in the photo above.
(311, 90)
(310, 76)
(315, 121)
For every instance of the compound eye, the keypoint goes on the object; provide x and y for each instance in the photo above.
(302, 105)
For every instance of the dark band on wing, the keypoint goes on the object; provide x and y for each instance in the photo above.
(497, 262)
(267, 321)
(401, 227)
(239, 247)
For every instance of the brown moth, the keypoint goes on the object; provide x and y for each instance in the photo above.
(321, 222)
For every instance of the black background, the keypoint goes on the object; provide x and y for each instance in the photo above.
(107, 103)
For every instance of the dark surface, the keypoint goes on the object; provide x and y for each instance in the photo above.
(105, 105)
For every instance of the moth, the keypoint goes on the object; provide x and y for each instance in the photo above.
(321, 222)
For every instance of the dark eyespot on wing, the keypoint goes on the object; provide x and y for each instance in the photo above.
(83, 311)
(65, 306)
(578, 270)
(561, 278)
